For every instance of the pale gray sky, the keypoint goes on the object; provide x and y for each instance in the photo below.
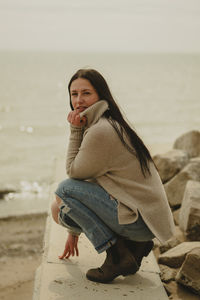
(100, 25)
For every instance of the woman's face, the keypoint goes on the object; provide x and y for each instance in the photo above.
(82, 94)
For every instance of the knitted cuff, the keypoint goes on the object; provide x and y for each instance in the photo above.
(77, 132)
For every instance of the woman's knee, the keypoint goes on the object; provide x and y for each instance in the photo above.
(65, 186)
(58, 200)
(55, 211)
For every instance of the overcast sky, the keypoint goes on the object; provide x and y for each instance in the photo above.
(100, 25)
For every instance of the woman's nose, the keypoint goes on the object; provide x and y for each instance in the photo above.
(80, 99)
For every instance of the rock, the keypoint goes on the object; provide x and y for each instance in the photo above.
(195, 160)
(171, 243)
(6, 189)
(175, 256)
(176, 186)
(189, 142)
(167, 289)
(189, 273)
(170, 163)
(167, 274)
(156, 243)
(179, 234)
(176, 216)
(177, 239)
(189, 219)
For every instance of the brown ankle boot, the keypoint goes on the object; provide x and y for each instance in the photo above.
(119, 261)
(139, 249)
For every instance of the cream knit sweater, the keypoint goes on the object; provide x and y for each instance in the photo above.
(95, 152)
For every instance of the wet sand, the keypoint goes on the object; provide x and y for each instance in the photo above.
(21, 244)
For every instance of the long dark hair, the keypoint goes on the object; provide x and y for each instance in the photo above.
(115, 117)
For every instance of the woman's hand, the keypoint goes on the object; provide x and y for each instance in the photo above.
(75, 119)
(71, 247)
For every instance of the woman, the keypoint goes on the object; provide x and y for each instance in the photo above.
(114, 193)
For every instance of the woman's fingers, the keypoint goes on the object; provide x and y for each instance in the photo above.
(64, 254)
(68, 255)
(66, 251)
(71, 247)
(76, 245)
(75, 119)
(76, 249)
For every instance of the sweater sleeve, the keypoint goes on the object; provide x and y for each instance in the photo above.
(89, 156)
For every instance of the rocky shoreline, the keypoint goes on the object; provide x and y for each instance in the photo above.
(179, 258)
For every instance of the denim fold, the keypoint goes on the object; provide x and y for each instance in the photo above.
(86, 207)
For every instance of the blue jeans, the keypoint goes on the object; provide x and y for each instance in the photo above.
(88, 208)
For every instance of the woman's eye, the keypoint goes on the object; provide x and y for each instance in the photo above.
(74, 94)
(87, 93)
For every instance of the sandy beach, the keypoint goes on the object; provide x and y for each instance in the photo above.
(21, 244)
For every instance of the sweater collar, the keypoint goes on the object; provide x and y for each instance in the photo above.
(94, 112)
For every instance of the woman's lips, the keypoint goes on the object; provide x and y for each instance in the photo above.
(81, 108)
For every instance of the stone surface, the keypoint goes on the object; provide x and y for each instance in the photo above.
(168, 289)
(167, 274)
(189, 142)
(179, 234)
(176, 216)
(171, 243)
(6, 189)
(175, 256)
(189, 219)
(179, 292)
(176, 186)
(156, 243)
(64, 281)
(189, 273)
(170, 163)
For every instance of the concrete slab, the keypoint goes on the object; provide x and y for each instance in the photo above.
(68, 281)
(37, 283)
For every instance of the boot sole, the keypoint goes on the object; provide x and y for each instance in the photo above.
(123, 273)
(99, 280)
(109, 280)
